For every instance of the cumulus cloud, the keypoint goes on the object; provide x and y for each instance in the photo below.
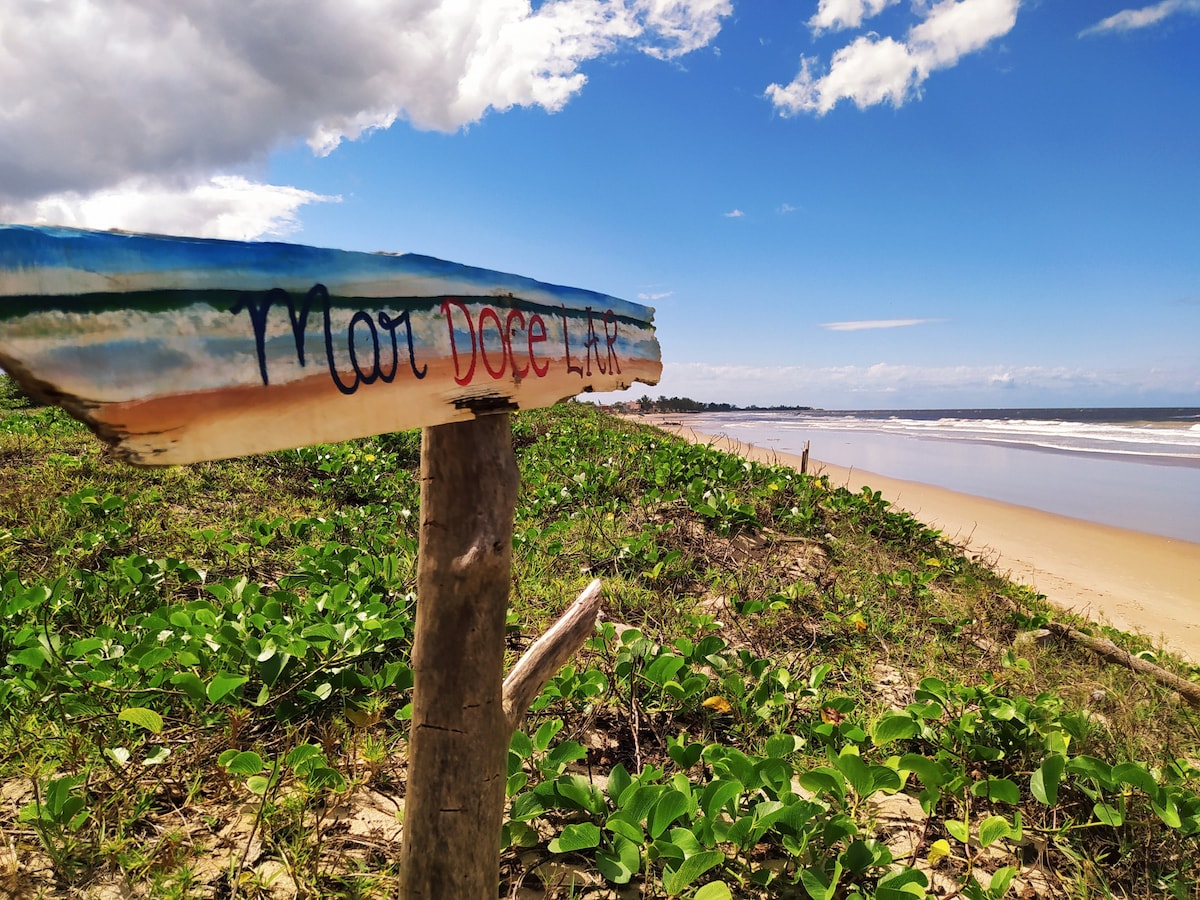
(103, 93)
(834, 15)
(734, 214)
(867, 324)
(225, 206)
(872, 69)
(1132, 19)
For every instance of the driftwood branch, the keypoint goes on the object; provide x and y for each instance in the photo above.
(549, 653)
(1114, 654)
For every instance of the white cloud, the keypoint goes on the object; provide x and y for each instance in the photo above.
(873, 69)
(662, 295)
(682, 25)
(867, 324)
(222, 207)
(734, 214)
(1132, 19)
(100, 92)
(785, 208)
(834, 15)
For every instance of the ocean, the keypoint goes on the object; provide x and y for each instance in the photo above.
(1136, 468)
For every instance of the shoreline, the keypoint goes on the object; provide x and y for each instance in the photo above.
(1134, 581)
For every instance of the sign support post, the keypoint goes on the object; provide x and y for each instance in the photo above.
(459, 734)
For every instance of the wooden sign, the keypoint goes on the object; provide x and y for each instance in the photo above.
(181, 349)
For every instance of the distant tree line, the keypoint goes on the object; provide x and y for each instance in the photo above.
(679, 404)
(688, 405)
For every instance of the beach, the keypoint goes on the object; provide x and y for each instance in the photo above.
(1129, 579)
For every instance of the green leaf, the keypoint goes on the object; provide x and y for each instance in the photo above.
(618, 780)
(1168, 811)
(143, 718)
(824, 781)
(856, 772)
(637, 800)
(245, 763)
(714, 890)
(998, 789)
(1136, 775)
(578, 790)
(675, 880)
(303, 754)
(958, 830)
(565, 753)
(991, 830)
(717, 794)
(685, 757)
(521, 745)
(582, 836)
(527, 806)
(1001, 879)
(623, 828)
(518, 834)
(30, 658)
(904, 884)
(1109, 815)
(664, 849)
(671, 805)
(931, 772)
(858, 857)
(622, 864)
(545, 734)
(780, 746)
(223, 684)
(663, 669)
(1044, 783)
(1091, 767)
(894, 728)
(323, 778)
(884, 779)
(271, 667)
(515, 784)
(819, 885)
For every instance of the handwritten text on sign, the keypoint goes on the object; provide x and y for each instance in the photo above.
(179, 349)
(495, 341)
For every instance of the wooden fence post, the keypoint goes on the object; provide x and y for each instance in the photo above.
(459, 737)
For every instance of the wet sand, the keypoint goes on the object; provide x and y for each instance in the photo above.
(1137, 582)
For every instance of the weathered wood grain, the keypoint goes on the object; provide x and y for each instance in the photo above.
(459, 735)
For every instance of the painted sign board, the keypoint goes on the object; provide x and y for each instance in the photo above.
(184, 349)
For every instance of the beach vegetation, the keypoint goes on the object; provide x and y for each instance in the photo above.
(797, 690)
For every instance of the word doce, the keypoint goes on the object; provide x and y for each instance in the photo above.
(484, 341)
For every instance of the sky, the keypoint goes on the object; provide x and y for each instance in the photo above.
(848, 204)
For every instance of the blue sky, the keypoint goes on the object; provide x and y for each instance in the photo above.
(843, 203)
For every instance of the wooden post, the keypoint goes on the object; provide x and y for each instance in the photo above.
(804, 460)
(458, 744)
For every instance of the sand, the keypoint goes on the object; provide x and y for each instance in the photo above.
(1134, 581)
